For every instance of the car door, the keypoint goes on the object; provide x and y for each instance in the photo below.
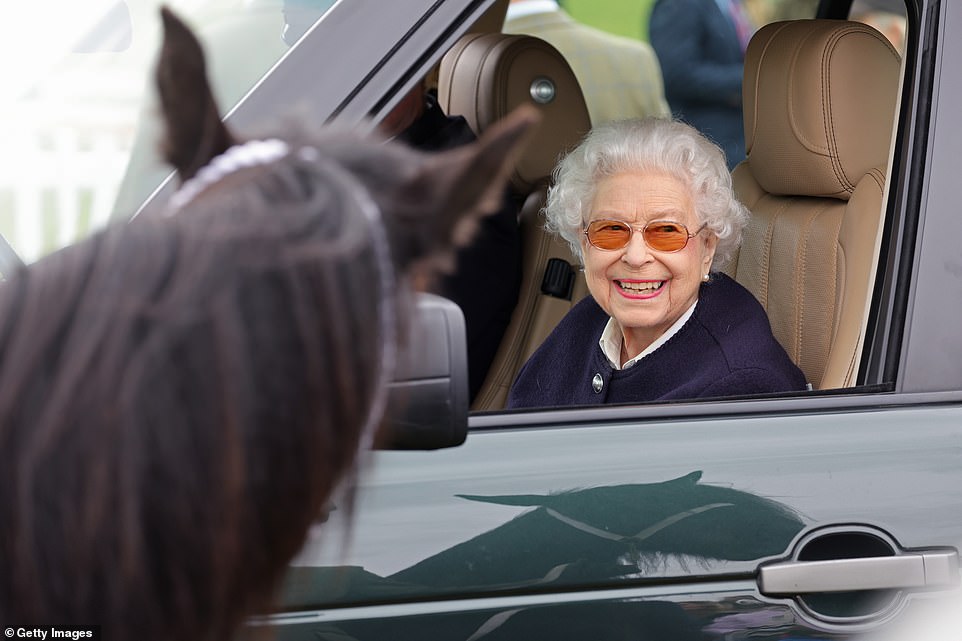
(821, 516)
(681, 522)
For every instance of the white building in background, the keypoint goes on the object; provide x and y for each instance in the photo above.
(76, 114)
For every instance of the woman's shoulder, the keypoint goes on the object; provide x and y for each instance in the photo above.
(574, 334)
(584, 314)
(722, 283)
(739, 326)
(723, 298)
(731, 312)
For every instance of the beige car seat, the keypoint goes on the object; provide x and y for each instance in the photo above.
(483, 77)
(819, 107)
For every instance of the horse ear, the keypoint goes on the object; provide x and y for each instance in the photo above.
(467, 183)
(195, 133)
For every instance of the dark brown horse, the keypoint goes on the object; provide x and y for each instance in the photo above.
(180, 395)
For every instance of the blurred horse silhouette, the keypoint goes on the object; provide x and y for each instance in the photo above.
(180, 395)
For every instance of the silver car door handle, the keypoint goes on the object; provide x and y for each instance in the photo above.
(911, 570)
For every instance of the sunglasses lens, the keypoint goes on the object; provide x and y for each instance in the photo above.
(608, 234)
(660, 235)
(666, 236)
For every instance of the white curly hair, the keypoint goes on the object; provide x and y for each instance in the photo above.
(647, 145)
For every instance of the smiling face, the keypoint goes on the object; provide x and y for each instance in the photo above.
(645, 290)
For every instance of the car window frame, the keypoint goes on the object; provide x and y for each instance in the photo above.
(843, 401)
(909, 301)
(889, 363)
(892, 369)
(914, 342)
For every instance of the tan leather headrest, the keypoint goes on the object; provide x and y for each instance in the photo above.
(486, 76)
(816, 94)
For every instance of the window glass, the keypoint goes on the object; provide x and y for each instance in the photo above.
(700, 47)
(77, 110)
(888, 16)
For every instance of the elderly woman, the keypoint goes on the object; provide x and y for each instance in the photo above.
(648, 206)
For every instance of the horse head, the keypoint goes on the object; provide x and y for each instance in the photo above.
(181, 394)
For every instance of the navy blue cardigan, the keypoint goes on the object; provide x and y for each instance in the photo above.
(726, 348)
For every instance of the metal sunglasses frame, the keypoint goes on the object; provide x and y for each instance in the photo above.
(633, 228)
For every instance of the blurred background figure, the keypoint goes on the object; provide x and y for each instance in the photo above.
(701, 47)
(888, 16)
(620, 77)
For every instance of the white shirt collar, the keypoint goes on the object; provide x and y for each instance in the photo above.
(529, 7)
(611, 339)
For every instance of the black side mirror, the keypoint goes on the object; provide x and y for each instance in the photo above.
(428, 400)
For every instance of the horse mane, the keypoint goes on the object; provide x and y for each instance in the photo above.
(179, 398)
(180, 395)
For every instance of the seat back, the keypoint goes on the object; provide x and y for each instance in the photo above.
(483, 77)
(819, 102)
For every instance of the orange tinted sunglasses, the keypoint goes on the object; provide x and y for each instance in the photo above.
(660, 235)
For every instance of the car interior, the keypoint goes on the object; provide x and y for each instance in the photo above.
(483, 78)
(820, 102)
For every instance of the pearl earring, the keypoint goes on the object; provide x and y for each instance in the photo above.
(705, 278)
